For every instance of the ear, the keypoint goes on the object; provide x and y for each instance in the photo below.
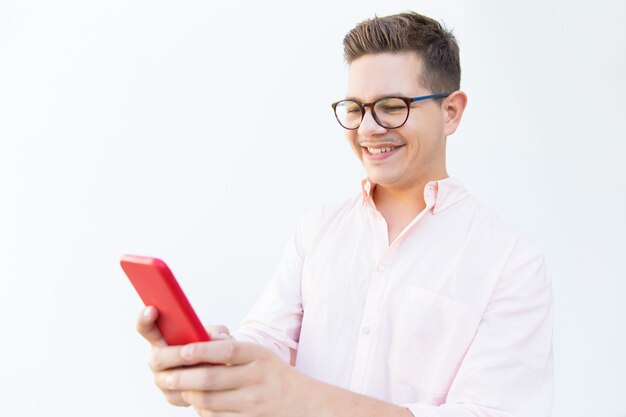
(453, 108)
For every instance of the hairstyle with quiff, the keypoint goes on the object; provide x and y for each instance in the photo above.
(410, 32)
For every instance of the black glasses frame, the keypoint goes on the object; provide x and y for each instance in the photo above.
(362, 106)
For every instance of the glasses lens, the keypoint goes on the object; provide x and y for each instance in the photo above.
(391, 112)
(348, 114)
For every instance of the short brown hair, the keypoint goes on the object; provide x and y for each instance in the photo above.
(407, 32)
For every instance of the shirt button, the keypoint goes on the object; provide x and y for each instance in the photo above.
(366, 330)
(380, 268)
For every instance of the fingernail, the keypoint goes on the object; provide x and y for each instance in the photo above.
(146, 313)
(186, 351)
(169, 381)
(222, 336)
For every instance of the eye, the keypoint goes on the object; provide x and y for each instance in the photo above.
(352, 108)
(392, 109)
(391, 106)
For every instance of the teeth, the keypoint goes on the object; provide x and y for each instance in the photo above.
(376, 151)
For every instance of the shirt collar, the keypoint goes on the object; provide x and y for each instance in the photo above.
(442, 193)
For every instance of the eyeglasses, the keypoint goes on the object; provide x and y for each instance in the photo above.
(388, 112)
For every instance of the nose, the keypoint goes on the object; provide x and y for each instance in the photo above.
(369, 126)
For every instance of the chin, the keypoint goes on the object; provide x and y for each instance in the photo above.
(383, 180)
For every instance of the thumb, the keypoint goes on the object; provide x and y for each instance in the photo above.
(146, 326)
(219, 332)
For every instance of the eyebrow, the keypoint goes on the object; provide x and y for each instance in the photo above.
(395, 94)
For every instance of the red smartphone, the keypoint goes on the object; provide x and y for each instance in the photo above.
(157, 287)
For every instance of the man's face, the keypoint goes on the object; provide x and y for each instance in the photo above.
(417, 152)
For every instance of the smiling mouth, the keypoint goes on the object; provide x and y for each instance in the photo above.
(384, 149)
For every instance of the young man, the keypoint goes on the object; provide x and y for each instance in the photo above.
(409, 299)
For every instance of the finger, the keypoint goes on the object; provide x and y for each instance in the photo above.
(146, 326)
(233, 401)
(216, 352)
(166, 357)
(203, 412)
(207, 378)
(229, 352)
(219, 332)
(175, 398)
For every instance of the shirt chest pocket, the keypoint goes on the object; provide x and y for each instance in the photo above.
(430, 336)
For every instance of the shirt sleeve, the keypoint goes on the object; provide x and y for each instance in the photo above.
(275, 320)
(508, 369)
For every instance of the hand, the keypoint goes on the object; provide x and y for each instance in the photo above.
(226, 378)
(251, 380)
(146, 326)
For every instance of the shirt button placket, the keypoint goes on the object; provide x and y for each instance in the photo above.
(371, 313)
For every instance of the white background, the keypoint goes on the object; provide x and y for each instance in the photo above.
(200, 131)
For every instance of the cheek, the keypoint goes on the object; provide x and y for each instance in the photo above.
(413, 139)
(352, 140)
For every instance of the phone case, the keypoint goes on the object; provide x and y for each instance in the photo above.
(157, 287)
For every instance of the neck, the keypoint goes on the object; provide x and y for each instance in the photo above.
(401, 205)
(409, 196)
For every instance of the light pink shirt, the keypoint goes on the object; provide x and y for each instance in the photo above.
(453, 318)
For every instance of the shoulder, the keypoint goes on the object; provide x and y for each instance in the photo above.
(328, 217)
(491, 225)
(330, 213)
(521, 259)
(494, 244)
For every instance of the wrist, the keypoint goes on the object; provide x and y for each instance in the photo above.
(324, 400)
(320, 399)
